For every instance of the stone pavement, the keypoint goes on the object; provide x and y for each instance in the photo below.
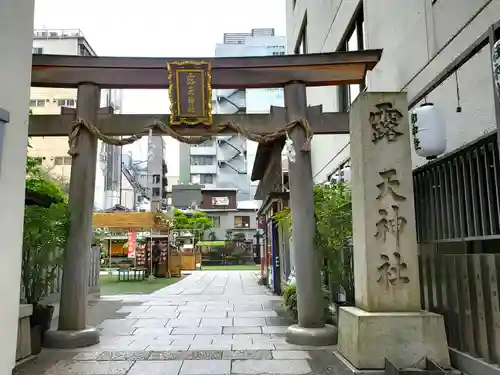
(208, 323)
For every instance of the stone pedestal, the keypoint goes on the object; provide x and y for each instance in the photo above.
(387, 320)
(366, 338)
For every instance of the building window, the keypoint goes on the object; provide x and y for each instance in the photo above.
(278, 53)
(66, 103)
(37, 103)
(62, 160)
(37, 50)
(202, 160)
(216, 221)
(301, 46)
(207, 143)
(242, 221)
(207, 179)
(156, 192)
(156, 179)
(352, 41)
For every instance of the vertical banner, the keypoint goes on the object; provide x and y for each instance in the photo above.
(132, 239)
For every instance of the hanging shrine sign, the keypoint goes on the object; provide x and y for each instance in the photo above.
(190, 92)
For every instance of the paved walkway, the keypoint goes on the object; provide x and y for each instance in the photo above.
(208, 323)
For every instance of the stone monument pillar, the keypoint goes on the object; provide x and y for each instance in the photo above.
(387, 321)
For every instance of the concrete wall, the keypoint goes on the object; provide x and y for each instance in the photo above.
(16, 20)
(184, 195)
(419, 40)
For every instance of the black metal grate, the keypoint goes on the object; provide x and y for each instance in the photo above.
(457, 197)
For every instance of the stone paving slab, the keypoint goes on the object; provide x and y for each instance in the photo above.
(90, 368)
(155, 368)
(277, 366)
(205, 367)
(209, 323)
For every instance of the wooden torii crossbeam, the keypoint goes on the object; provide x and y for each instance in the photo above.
(324, 69)
(291, 72)
(127, 124)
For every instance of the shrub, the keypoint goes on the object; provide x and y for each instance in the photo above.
(290, 299)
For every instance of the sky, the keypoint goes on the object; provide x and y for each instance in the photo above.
(157, 28)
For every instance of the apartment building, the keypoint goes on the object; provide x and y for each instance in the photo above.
(53, 150)
(439, 52)
(226, 161)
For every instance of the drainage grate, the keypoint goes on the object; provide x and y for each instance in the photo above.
(431, 368)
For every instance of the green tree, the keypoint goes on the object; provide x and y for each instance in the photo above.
(197, 222)
(333, 214)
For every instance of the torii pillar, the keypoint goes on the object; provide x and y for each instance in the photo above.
(72, 330)
(311, 328)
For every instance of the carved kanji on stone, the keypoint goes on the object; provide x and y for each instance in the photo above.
(389, 185)
(385, 122)
(392, 273)
(392, 225)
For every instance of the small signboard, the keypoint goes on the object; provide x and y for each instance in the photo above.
(220, 201)
(132, 240)
(190, 92)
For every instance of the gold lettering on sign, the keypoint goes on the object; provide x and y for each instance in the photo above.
(191, 83)
(385, 122)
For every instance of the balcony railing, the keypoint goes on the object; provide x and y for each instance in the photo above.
(57, 34)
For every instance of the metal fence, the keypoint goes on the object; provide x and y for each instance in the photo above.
(457, 204)
(458, 197)
(94, 271)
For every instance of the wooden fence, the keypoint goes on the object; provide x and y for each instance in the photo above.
(94, 271)
(464, 288)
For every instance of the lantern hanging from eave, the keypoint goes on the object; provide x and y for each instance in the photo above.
(429, 131)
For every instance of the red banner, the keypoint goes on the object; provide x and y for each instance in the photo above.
(132, 237)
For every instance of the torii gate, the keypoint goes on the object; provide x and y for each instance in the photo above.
(190, 83)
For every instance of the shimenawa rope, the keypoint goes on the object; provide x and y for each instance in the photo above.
(167, 130)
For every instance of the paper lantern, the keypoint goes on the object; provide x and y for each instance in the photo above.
(429, 131)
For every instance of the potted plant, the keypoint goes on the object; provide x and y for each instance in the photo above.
(43, 254)
(44, 240)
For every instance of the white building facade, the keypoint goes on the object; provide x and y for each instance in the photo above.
(420, 40)
(53, 150)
